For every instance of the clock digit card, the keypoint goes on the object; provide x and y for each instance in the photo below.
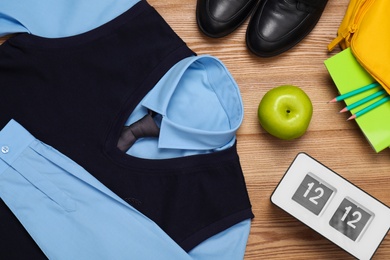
(333, 206)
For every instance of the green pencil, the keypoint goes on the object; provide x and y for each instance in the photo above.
(362, 101)
(370, 107)
(354, 92)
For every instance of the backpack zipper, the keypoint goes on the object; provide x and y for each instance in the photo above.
(359, 11)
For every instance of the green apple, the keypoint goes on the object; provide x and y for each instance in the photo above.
(285, 112)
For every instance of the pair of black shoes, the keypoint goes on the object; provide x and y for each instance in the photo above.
(275, 26)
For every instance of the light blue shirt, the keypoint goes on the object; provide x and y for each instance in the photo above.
(198, 101)
(200, 110)
(58, 18)
(51, 196)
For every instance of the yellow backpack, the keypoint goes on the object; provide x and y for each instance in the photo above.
(365, 28)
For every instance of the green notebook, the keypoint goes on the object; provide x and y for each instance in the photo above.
(348, 75)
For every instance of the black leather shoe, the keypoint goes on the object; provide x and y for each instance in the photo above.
(278, 25)
(218, 18)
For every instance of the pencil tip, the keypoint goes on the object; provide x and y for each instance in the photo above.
(343, 110)
(351, 117)
(332, 101)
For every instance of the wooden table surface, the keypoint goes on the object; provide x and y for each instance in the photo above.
(337, 143)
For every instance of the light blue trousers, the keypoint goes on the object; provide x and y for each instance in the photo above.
(67, 211)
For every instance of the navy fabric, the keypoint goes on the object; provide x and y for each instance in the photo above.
(76, 93)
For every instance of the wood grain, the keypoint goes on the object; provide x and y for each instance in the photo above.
(330, 138)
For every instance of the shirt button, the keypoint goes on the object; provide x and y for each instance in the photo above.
(4, 149)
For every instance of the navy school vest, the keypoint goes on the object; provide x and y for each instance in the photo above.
(76, 93)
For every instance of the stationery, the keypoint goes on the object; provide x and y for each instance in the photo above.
(363, 101)
(370, 107)
(349, 75)
(355, 92)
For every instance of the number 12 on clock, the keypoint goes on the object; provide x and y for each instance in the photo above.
(312, 194)
(350, 219)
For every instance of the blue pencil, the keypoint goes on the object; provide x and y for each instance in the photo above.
(370, 107)
(354, 92)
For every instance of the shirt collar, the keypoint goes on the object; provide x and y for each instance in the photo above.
(200, 104)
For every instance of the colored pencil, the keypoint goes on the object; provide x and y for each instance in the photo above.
(363, 101)
(354, 92)
(370, 107)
